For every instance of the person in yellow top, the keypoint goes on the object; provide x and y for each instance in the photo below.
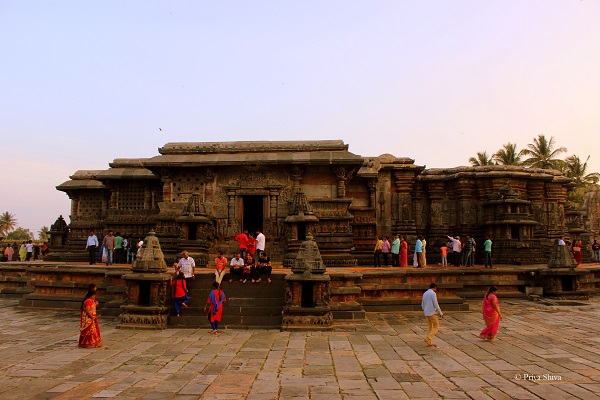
(424, 243)
(377, 252)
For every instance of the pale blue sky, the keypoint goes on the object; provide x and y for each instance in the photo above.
(85, 82)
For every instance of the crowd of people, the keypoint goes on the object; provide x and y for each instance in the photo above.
(26, 251)
(459, 252)
(113, 249)
(89, 330)
(250, 263)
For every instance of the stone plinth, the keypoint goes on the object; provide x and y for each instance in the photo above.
(144, 303)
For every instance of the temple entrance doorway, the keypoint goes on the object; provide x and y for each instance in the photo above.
(253, 213)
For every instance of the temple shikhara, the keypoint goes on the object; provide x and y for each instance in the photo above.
(198, 196)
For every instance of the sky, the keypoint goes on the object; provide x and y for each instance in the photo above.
(83, 83)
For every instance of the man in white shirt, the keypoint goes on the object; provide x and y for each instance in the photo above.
(260, 243)
(187, 266)
(431, 309)
(91, 246)
(236, 267)
(456, 249)
(29, 247)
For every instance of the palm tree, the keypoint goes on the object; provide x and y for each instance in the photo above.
(8, 222)
(577, 171)
(508, 155)
(542, 154)
(44, 233)
(482, 159)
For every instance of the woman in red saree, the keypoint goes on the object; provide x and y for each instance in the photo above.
(89, 335)
(576, 248)
(491, 315)
(214, 307)
(403, 252)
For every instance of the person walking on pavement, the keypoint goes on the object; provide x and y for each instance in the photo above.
(431, 309)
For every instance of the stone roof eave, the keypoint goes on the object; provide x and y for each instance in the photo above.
(80, 184)
(288, 158)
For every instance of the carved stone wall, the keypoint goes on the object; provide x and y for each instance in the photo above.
(355, 199)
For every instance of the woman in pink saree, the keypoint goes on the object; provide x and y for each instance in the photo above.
(491, 315)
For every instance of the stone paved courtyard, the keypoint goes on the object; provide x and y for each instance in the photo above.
(543, 351)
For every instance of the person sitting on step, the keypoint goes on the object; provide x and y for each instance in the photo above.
(249, 269)
(236, 268)
(264, 266)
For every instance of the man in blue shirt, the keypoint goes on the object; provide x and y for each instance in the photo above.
(419, 252)
(431, 309)
(396, 252)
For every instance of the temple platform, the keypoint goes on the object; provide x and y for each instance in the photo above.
(354, 291)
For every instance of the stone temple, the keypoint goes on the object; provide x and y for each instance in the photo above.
(198, 196)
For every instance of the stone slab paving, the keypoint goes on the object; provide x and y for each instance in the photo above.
(542, 352)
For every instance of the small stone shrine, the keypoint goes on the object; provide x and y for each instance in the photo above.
(59, 232)
(145, 300)
(561, 279)
(307, 291)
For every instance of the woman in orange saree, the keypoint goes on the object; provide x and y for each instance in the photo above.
(491, 315)
(89, 335)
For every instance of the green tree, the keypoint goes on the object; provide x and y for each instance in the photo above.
(542, 154)
(575, 169)
(508, 155)
(20, 234)
(44, 233)
(8, 222)
(481, 159)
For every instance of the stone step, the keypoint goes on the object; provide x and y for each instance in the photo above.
(248, 305)
(227, 321)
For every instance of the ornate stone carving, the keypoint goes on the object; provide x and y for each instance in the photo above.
(307, 320)
(140, 321)
(126, 296)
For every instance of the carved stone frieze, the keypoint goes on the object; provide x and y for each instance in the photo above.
(308, 320)
(151, 321)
